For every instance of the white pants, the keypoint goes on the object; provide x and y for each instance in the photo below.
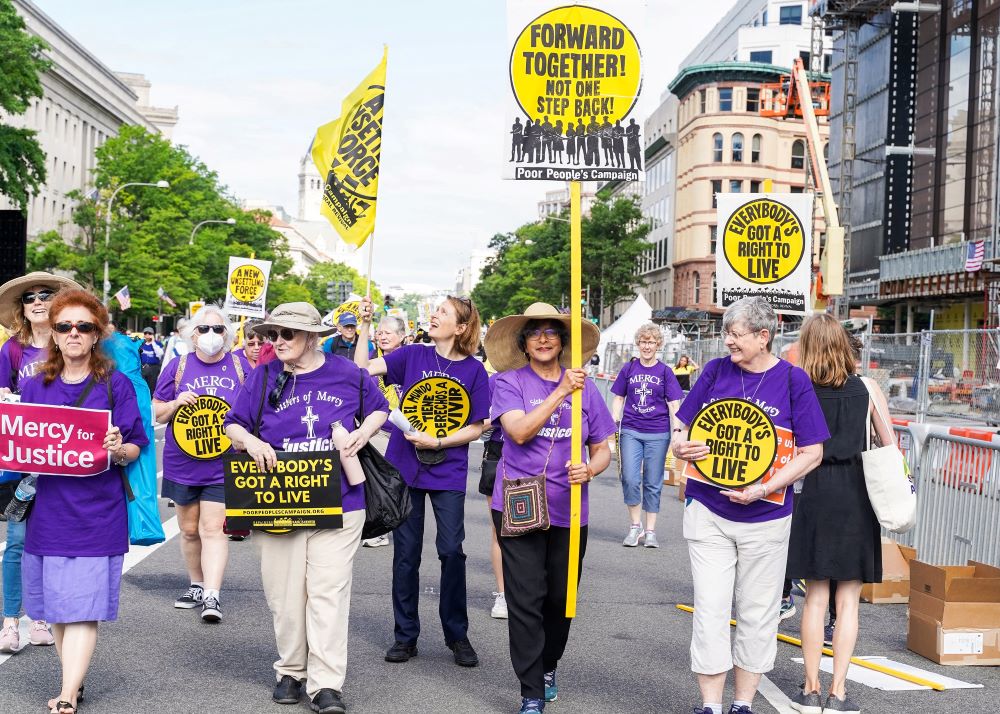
(307, 578)
(747, 557)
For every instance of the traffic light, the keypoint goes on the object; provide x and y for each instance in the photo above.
(345, 291)
(331, 294)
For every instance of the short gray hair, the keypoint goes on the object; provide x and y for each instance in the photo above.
(391, 323)
(651, 329)
(755, 312)
(199, 318)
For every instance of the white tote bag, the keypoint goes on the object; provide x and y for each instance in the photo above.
(890, 489)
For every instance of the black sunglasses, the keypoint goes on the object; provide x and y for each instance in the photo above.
(43, 295)
(285, 333)
(217, 329)
(279, 386)
(84, 328)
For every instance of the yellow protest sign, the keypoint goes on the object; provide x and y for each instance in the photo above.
(197, 428)
(741, 439)
(439, 406)
(351, 306)
(348, 152)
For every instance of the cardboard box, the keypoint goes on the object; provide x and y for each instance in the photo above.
(975, 582)
(895, 585)
(671, 478)
(952, 646)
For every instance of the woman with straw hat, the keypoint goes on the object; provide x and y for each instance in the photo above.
(24, 311)
(532, 404)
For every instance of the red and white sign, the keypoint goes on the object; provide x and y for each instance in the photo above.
(57, 441)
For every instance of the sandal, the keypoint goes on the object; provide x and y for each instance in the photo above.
(63, 708)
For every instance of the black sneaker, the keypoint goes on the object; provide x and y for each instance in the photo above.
(465, 656)
(287, 690)
(401, 652)
(328, 701)
(194, 597)
(211, 610)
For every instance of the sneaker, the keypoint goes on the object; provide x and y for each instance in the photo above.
(828, 632)
(744, 709)
(499, 611)
(551, 688)
(787, 608)
(649, 540)
(465, 656)
(376, 542)
(40, 635)
(194, 597)
(699, 710)
(287, 690)
(401, 652)
(10, 640)
(236, 538)
(807, 703)
(328, 701)
(211, 610)
(532, 706)
(634, 534)
(845, 705)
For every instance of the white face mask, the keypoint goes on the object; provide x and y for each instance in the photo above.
(211, 344)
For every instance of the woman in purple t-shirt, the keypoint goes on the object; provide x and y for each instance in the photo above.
(77, 533)
(192, 466)
(647, 396)
(24, 312)
(532, 403)
(735, 537)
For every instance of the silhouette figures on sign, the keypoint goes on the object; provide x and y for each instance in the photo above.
(597, 143)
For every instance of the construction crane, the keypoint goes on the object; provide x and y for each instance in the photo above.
(795, 96)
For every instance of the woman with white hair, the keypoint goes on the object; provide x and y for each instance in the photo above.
(193, 395)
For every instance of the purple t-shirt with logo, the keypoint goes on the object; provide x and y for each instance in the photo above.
(410, 364)
(307, 410)
(647, 391)
(523, 390)
(31, 360)
(83, 517)
(219, 379)
(786, 394)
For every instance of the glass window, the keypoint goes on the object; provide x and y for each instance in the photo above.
(790, 15)
(701, 100)
(735, 186)
(763, 18)
(717, 148)
(716, 190)
(755, 187)
(713, 234)
(753, 100)
(696, 293)
(805, 57)
(798, 189)
(725, 99)
(715, 297)
(798, 154)
(764, 56)
(755, 149)
(737, 148)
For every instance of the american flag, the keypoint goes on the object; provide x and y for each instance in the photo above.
(123, 298)
(165, 298)
(974, 254)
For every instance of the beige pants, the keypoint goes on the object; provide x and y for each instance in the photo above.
(728, 556)
(307, 580)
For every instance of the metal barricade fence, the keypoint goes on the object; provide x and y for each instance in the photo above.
(961, 374)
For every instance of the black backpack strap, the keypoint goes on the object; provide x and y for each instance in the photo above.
(359, 418)
(87, 390)
(260, 404)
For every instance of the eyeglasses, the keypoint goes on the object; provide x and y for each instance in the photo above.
(43, 295)
(217, 329)
(535, 333)
(285, 333)
(726, 334)
(84, 328)
(647, 343)
(279, 386)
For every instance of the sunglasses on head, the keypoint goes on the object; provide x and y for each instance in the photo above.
(43, 295)
(285, 333)
(84, 328)
(274, 397)
(217, 329)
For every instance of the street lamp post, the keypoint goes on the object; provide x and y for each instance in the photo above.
(228, 222)
(107, 228)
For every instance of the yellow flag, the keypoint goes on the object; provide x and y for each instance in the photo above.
(347, 152)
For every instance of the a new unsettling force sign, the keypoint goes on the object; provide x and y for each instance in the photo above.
(246, 288)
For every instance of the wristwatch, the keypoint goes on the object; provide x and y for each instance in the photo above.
(121, 457)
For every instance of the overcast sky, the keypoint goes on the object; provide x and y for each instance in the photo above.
(254, 78)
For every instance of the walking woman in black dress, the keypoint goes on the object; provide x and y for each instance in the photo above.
(835, 534)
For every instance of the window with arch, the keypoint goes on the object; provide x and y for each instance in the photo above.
(715, 297)
(755, 149)
(738, 148)
(826, 150)
(798, 154)
(696, 292)
(717, 148)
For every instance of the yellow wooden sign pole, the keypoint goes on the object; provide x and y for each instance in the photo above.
(576, 360)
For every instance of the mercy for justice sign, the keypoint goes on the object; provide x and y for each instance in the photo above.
(58, 441)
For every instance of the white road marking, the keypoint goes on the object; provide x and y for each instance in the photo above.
(774, 696)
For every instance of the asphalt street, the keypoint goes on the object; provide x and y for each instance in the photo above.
(628, 649)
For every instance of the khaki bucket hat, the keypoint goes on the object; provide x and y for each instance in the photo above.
(295, 316)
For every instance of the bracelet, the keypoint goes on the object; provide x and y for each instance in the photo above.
(120, 458)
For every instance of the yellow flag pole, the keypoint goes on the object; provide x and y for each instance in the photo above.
(576, 352)
(371, 252)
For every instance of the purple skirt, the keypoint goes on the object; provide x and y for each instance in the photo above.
(64, 590)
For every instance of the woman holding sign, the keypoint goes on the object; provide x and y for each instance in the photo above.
(193, 395)
(531, 495)
(754, 427)
(294, 405)
(77, 534)
(446, 403)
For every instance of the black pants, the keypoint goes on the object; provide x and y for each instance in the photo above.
(535, 574)
(150, 373)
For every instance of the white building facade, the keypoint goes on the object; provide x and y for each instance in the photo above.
(471, 273)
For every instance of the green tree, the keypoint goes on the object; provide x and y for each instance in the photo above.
(22, 161)
(408, 302)
(322, 273)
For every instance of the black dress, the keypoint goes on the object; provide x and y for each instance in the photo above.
(835, 534)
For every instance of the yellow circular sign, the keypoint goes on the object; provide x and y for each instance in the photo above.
(247, 283)
(742, 442)
(576, 64)
(439, 406)
(763, 241)
(197, 428)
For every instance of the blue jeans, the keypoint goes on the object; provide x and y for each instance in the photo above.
(642, 468)
(12, 568)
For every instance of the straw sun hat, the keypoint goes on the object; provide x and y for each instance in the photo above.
(12, 290)
(501, 339)
(295, 316)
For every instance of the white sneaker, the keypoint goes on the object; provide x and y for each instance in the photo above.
(376, 542)
(499, 610)
(634, 534)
